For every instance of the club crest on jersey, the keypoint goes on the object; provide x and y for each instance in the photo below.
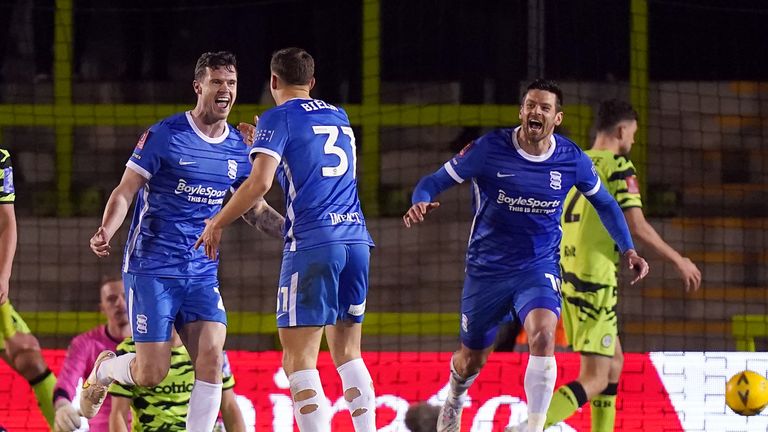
(555, 180)
(142, 140)
(232, 169)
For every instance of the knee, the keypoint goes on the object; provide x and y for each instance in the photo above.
(150, 375)
(542, 341)
(209, 361)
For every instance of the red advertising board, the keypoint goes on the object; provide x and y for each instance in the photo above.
(401, 378)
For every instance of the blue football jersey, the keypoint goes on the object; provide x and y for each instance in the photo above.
(518, 199)
(188, 176)
(315, 147)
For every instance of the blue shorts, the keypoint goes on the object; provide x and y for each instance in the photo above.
(485, 303)
(321, 285)
(157, 303)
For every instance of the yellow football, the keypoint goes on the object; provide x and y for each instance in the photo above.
(746, 393)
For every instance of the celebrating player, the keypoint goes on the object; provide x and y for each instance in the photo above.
(181, 168)
(589, 261)
(520, 178)
(324, 275)
(84, 350)
(165, 406)
(18, 347)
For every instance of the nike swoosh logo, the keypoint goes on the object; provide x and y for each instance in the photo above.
(182, 162)
(500, 175)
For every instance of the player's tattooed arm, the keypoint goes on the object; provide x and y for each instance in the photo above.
(265, 219)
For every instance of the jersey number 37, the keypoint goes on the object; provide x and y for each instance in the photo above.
(332, 147)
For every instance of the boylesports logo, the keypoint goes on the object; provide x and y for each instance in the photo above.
(200, 193)
(527, 204)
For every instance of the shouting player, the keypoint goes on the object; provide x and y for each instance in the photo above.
(520, 178)
(181, 170)
(589, 262)
(324, 275)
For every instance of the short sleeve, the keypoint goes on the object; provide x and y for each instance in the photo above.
(7, 189)
(623, 181)
(587, 179)
(271, 134)
(149, 151)
(469, 162)
(228, 380)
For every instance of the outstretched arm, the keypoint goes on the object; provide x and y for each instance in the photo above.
(644, 232)
(253, 189)
(613, 220)
(265, 219)
(428, 188)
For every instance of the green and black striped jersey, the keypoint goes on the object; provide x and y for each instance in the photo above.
(587, 251)
(7, 191)
(163, 408)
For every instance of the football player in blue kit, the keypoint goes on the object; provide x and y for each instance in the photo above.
(324, 275)
(180, 171)
(520, 178)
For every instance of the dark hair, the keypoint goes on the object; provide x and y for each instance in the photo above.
(612, 112)
(215, 60)
(293, 65)
(546, 85)
(422, 417)
(111, 277)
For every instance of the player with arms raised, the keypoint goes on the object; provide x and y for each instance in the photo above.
(324, 275)
(181, 170)
(520, 178)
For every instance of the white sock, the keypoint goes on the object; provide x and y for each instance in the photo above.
(354, 375)
(316, 415)
(459, 385)
(117, 369)
(204, 406)
(539, 383)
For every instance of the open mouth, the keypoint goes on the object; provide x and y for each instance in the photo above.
(222, 101)
(535, 125)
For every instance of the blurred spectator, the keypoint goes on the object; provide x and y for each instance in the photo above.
(422, 417)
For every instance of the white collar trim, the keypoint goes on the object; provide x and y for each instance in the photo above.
(204, 137)
(530, 157)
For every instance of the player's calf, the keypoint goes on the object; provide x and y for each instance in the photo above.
(359, 394)
(311, 409)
